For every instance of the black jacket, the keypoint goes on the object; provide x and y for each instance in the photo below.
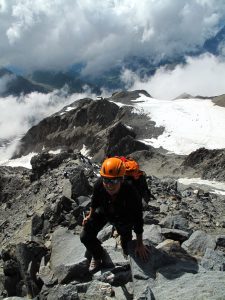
(125, 209)
(141, 185)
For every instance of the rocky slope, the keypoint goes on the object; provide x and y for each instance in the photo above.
(41, 255)
(16, 85)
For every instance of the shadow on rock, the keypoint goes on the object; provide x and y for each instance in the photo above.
(167, 259)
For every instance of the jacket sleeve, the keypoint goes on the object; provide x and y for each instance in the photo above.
(95, 198)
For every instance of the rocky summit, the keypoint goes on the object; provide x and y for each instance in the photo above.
(41, 256)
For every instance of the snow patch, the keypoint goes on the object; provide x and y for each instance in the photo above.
(189, 123)
(69, 108)
(55, 151)
(84, 151)
(23, 161)
(214, 186)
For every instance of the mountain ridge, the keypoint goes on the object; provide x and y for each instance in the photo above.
(42, 211)
(104, 128)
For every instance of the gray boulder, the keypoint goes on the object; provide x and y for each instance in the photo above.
(213, 260)
(67, 258)
(59, 292)
(153, 233)
(172, 261)
(99, 290)
(199, 286)
(175, 222)
(198, 242)
(79, 182)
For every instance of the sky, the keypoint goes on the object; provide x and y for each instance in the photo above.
(56, 33)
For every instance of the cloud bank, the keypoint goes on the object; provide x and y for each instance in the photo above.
(55, 33)
(203, 75)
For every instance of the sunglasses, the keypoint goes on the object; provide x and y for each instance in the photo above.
(112, 181)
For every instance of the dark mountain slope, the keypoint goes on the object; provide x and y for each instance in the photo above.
(98, 124)
(16, 85)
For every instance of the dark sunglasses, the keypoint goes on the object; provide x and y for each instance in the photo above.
(112, 181)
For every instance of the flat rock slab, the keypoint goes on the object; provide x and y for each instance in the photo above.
(67, 258)
(173, 264)
(203, 285)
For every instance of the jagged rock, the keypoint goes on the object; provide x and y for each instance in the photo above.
(99, 290)
(67, 189)
(12, 181)
(79, 182)
(125, 146)
(153, 233)
(126, 97)
(172, 261)
(189, 286)
(84, 202)
(113, 255)
(45, 161)
(46, 274)
(209, 162)
(105, 233)
(198, 242)
(213, 260)
(21, 266)
(94, 124)
(116, 133)
(148, 217)
(58, 292)
(175, 222)
(117, 276)
(36, 225)
(67, 258)
(220, 240)
(175, 234)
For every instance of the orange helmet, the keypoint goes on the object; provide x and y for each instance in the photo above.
(113, 167)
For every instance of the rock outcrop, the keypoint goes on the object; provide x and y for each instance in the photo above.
(210, 163)
(96, 124)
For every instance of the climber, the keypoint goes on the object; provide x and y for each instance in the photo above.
(116, 201)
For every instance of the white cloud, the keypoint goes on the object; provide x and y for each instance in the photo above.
(203, 75)
(57, 33)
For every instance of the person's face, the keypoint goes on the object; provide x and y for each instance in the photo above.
(112, 186)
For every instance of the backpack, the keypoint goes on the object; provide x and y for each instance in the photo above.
(132, 167)
(136, 177)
